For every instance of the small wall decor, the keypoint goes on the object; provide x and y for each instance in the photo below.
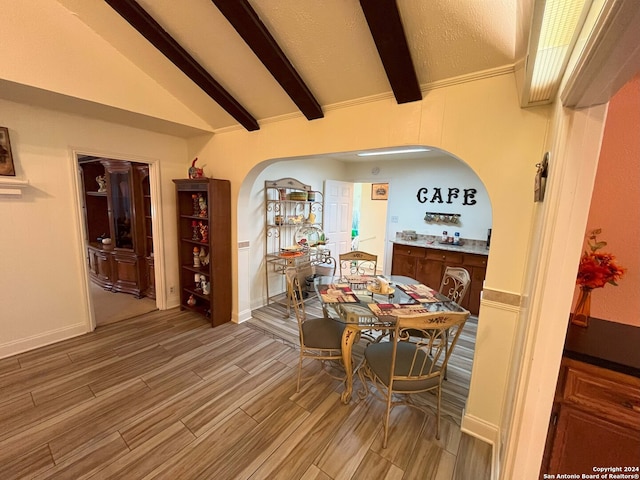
(437, 217)
(541, 178)
(6, 158)
(379, 191)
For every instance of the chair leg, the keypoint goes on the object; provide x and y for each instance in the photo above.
(386, 420)
(438, 414)
(446, 349)
(299, 371)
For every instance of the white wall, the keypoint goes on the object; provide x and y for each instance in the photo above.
(42, 279)
(404, 177)
(307, 171)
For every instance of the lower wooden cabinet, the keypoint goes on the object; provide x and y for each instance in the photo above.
(595, 420)
(100, 267)
(151, 277)
(427, 265)
(117, 270)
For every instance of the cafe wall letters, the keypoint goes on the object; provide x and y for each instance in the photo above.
(451, 195)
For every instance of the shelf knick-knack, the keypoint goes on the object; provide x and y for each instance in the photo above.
(195, 236)
(202, 204)
(204, 232)
(196, 257)
(196, 205)
(102, 183)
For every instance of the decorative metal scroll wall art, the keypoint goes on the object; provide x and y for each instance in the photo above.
(437, 217)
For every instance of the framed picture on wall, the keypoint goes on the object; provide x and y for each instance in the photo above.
(379, 191)
(6, 159)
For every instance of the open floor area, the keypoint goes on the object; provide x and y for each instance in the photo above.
(164, 395)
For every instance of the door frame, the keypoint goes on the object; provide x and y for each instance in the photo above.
(156, 221)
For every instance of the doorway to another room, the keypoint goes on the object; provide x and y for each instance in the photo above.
(356, 218)
(115, 197)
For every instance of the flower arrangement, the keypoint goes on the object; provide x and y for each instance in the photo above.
(597, 269)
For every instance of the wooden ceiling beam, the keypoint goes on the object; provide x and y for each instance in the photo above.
(256, 35)
(139, 19)
(386, 29)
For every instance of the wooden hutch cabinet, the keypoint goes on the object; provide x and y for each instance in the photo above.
(114, 208)
(204, 247)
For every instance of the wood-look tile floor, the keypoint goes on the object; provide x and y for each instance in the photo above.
(164, 395)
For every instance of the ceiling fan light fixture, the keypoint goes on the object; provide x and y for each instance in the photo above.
(393, 152)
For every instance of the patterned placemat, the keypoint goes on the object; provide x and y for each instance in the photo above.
(420, 293)
(338, 293)
(394, 309)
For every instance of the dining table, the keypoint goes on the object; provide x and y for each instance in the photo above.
(358, 302)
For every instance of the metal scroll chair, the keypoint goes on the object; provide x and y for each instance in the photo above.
(455, 283)
(408, 365)
(454, 286)
(324, 266)
(320, 338)
(357, 263)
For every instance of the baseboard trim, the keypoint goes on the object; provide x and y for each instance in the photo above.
(487, 432)
(242, 316)
(25, 344)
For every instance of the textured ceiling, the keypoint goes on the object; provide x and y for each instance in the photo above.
(327, 41)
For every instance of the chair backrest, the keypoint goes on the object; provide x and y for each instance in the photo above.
(324, 267)
(295, 291)
(357, 263)
(455, 283)
(422, 357)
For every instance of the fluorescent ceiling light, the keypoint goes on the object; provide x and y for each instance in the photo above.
(391, 152)
(555, 29)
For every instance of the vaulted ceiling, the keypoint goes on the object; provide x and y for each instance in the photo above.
(244, 62)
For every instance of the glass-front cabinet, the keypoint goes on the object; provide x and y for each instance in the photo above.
(117, 237)
(118, 184)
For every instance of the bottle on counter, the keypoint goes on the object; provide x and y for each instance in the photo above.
(456, 238)
(444, 236)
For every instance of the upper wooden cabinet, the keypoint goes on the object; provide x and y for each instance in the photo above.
(427, 266)
(114, 207)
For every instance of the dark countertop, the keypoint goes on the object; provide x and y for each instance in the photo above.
(605, 344)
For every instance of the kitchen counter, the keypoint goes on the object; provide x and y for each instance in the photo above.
(477, 247)
(605, 344)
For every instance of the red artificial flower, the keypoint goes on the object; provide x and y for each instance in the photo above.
(598, 269)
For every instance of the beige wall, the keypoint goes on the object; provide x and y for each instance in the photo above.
(42, 279)
(44, 34)
(479, 122)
